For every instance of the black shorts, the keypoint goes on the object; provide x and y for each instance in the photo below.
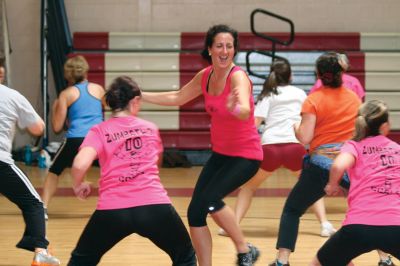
(65, 155)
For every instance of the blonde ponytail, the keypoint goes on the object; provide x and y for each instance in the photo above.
(371, 116)
(360, 128)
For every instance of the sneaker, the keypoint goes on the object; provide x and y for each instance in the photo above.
(46, 216)
(44, 259)
(327, 229)
(387, 262)
(222, 232)
(247, 259)
(275, 263)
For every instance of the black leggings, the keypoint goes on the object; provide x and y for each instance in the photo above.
(220, 176)
(16, 187)
(308, 189)
(356, 239)
(159, 223)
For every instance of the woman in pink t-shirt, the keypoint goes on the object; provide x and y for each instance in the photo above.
(131, 196)
(372, 162)
(236, 147)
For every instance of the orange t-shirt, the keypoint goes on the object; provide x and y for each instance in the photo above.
(336, 110)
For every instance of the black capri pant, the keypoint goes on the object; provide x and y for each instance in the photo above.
(16, 187)
(160, 223)
(220, 176)
(355, 239)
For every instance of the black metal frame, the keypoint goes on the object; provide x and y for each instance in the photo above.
(274, 41)
(56, 43)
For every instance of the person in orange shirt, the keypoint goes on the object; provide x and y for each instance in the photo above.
(327, 120)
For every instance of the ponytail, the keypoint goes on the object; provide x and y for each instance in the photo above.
(269, 87)
(361, 127)
(280, 74)
(371, 116)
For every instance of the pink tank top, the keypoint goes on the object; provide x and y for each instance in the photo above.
(230, 135)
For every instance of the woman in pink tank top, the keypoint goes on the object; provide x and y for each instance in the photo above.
(236, 147)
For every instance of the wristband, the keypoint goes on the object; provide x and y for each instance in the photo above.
(236, 110)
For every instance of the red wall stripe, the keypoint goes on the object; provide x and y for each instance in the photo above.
(97, 77)
(308, 41)
(194, 121)
(91, 41)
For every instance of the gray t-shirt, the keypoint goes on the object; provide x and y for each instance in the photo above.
(14, 110)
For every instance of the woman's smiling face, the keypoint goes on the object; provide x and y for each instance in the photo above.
(222, 50)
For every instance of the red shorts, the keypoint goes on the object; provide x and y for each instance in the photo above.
(288, 155)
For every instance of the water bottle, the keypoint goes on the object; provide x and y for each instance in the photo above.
(28, 155)
(42, 159)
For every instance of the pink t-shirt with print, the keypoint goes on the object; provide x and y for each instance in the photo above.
(350, 82)
(230, 135)
(128, 149)
(374, 195)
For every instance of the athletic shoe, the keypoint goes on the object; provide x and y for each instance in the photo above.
(247, 259)
(222, 232)
(275, 263)
(387, 262)
(44, 259)
(46, 216)
(327, 229)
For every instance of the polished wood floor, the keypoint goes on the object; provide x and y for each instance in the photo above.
(69, 215)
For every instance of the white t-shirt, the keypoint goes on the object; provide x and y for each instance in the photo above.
(14, 110)
(280, 112)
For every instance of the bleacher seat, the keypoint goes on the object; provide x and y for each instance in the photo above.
(167, 61)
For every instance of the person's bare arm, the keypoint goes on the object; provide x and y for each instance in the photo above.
(176, 98)
(59, 112)
(238, 101)
(36, 128)
(304, 130)
(82, 162)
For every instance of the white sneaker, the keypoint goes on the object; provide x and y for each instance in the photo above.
(44, 259)
(222, 232)
(327, 229)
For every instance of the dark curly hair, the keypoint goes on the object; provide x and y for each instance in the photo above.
(329, 70)
(120, 92)
(212, 32)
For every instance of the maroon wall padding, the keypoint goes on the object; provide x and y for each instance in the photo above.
(357, 62)
(303, 41)
(395, 136)
(97, 77)
(91, 41)
(185, 77)
(191, 62)
(96, 61)
(194, 121)
(196, 104)
(186, 140)
(193, 41)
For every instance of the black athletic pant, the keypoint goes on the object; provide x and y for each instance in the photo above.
(220, 176)
(308, 189)
(356, 239)
(16, 187)
(159, 223)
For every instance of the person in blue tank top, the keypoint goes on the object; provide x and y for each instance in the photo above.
(78, 108)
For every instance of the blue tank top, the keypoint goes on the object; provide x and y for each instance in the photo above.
(84, 113)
